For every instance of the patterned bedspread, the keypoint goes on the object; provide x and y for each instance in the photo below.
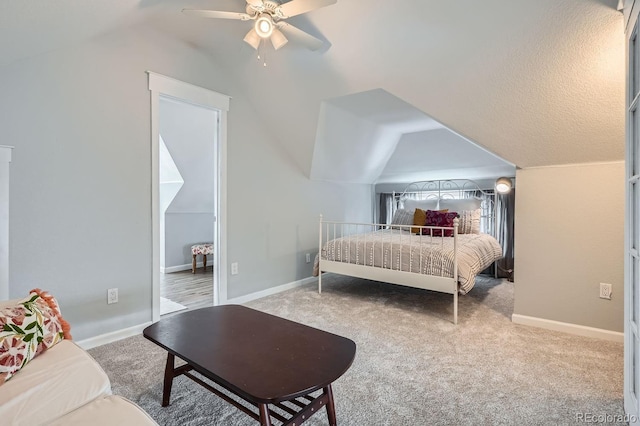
(401, 250)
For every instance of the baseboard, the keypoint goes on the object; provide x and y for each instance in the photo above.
(185, 267)
(566, 327)
(268, 292)
(113, 336)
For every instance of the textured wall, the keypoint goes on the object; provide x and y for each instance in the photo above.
(568, 239)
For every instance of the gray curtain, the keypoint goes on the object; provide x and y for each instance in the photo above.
(505, 211)
(387, 208)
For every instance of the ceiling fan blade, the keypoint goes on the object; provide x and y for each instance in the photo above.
(298, 7)
(308, 40)
(257, 3)
(217, 14)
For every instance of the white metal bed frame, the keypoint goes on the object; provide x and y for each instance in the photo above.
(438, 189)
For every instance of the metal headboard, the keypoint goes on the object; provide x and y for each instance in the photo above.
(451, 189)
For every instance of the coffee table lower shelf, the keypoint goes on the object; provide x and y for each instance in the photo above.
(299, 411)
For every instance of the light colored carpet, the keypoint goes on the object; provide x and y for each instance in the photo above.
(413, 366)
(168, 306)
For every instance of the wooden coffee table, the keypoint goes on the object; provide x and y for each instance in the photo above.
(270, 362)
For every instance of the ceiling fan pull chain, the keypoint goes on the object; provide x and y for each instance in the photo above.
(262, 53)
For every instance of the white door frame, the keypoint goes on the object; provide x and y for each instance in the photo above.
(631, 388)
(167, 86)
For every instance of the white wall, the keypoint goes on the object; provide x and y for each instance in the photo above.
(81, 180)
(569, 237)
(273, 208)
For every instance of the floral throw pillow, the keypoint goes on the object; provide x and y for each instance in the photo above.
(438, 218)
(28, 329)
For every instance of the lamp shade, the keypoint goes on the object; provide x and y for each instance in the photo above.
(253, 39)
(503, 185)
(278, 39)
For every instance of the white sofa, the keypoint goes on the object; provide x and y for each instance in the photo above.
(65, 386)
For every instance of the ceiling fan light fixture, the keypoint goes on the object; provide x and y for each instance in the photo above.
(278, 39)
(264, 26)
(253, 39)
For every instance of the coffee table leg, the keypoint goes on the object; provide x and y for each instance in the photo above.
(265, 418)
(331, 409)
(168, 379)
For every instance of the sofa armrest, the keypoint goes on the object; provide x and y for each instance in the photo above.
(108, 411)
(56, 382)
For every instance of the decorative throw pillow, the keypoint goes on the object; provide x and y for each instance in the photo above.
(419, 219)
(402, 217)
(438, 218)
(469, 221)
(27, 329)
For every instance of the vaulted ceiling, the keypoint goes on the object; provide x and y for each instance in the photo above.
(534, 82)
(374, 137)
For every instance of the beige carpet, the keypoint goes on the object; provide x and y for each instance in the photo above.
(413, 366)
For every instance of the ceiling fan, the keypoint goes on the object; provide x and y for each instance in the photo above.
(269, 21)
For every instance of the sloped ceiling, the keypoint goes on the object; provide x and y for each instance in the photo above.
(374, 137)
(535, 82)
(438, 154)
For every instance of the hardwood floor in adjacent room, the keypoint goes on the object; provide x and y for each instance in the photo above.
(191, 290)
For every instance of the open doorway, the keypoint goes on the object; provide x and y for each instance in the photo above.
(187, 146)
(188, 126)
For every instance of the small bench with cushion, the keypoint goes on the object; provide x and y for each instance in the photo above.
(204, 249)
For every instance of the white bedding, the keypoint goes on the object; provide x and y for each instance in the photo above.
(401, 250)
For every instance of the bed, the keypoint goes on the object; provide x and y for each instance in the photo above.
(445, 253)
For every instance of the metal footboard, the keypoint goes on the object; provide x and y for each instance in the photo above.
(392, 253)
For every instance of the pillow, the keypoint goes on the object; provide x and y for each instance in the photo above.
(461, 204)
(469, 221)
(27, 329)
(402, 217)
(419, 219)
(438, 218)
(411, 205)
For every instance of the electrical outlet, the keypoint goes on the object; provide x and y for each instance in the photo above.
(307, 257)
(112, 296)
(605, 291)
(234, 268)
